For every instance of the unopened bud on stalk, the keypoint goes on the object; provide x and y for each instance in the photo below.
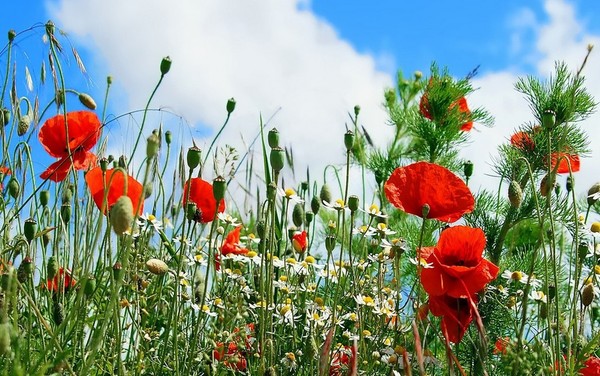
(4, 116)
(44, 197)
(260, 229)
(58, 312)
(59, 97)
(148, 189)
(50, 27)
(356, 110)
(570, 183)
(425, 210)
(547, 184)
(330, 242)
(298, 215)
(14, 188)
(121, 215)
(29, 229)
(104, 164)
(23, 126)
(353, 203)
(67, 193)
(230, 105)
(468, 169)
(25, 269)
(219, 188)
(168, 137)
(165, 65)
(548, 119)
(582, 250)
(349, 140)
(291, 231)
(123, 162)
(276, 158)
(152, 146)
(309, 216)
(193, 157)
(418, 75)
(11, 35)
(325, 194)
(90, 286)
(515, 194)
(109, 80)
(315, 204)
(46, 238)
(156, 266)
(271, 191)
(593, 194)
(190, 210)
(273, 138)
(51, 267)
(117, 271)
(65, 213)
(587, 294)
(87, 101)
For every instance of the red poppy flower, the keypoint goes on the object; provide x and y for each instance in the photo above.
(62, 279)
(230, 356)
(592, 367)
(115, 181)
(83, 132)
(463, 108)
(340, 361)
(458, 268)
(231, 244)
(522, 141)
(411, 187)
(299, 242)
(456, 315)
(563, 165)
(201, 193)
(501, 345)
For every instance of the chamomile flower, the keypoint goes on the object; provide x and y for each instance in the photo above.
(204, 309)
(289, 361)
(374, 211)
(363, 230)
(197, 259)
(539, 296)
(335, 205)
(383, 230)
(518, 276)
(364, 300)
(290, 194)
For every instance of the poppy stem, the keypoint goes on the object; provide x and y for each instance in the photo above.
(139, 136)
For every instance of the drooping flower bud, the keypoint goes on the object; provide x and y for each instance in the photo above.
(315, 204)
(90, 286)
(260, 229)
(87, 101)
(547, 184)
(104, 164)
(298, 215)
(65, 212)
(29, 229)
(121, 215)
(14, 188)
(165, 65)
(330, 242)
(273, 138)
(58, 312)
(24, 123)
(349, 140)
(219, 188)
(570, 183)
(356, 110)
(152, 146)
(11, 35)
(309, 216)
(325, 193)
(148, 189)
(276, 158)
(190, 211)
(425, 210)
(230, 105)
(193, 157)
(548, 119)
(123, 162)
(515, 194)
(50, 28)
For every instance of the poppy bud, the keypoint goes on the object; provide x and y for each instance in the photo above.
(14, 188)
(349, 140)
(87, 101)
(58, 312)
(51, 267)
(309, 216)
(148, 188)
(543, 310)
(46, 238)
(557, 189)
(276, 157)
(547, 184)
(50, 27)
(260, 229)
(90, 286)
(418, 75)
(193, 157)
(190, 210)
(587, 294)
(291, 232)
(165, 65)
(595, 188)
(356, 110)
(29, 229)
(468, 169)
(271, 191)
(168, 137)
(551, 292)
(122, 162)
(117, 271)
(109, 80)
(59, 97)
(298, 215)
(230, 105)
(121, 215)
(25, 269)
(353, 203)
(11, 35)
(515, 194)
(548, 119)
(315, 204)
(67, 193)
(425, 210)
(44, 197)
(23, 126)
(330, 242)
(325, 194)
(4, 116)
(156, 266)
(65, 213)
(219, 188)
(273, 138)
(152, 146)
(5, 334)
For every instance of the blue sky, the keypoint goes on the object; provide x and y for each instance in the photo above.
(308, 62)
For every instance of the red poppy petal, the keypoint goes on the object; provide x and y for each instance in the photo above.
(564, 160)
(461, 246)
(201, 193)
(84, 131)
(409, 188)
(464, 109)
(433, 281)
(116, 188)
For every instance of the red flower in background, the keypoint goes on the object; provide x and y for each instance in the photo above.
(456, 315)
(501, 345)
(62, 279)
(201, 193)
(299, 242)
(231, 244)
(3, 172)
(411, 187)
(230, 356)
(114, 180)
(340, 361)
(83, 132)
(463, 108)
(592, 367)
(563, 165)
(521, 140)
(458, 267)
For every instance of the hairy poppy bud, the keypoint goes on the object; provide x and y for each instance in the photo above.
(121, 215)
(58, 312)
(67, 193)
(168, 137)
(148, 188)
(543, 310)
(109, 80)
(273, 138)
(23, 126)
(260, 229)
(46, 238)
(276, 158)
(165, 65)
(230, 105)
(425, 210)
(87, 101)
(156, 266)
(551, 292)
(104, 164)
(298, 215)
(51, 267)
(515, 194)
(356, 110)
(4, 116)
(14, 188)
(59, 97)
(547, 184)
(25, 269)
(587, 295)
(193, 157)
(330, 242)
(315, 204)
(593, 193)
(271, 191)
(468, 169)
(353, 203)
(548, 119)
(152, 146)
(349, 140)
(44, 197)
(219, 188)
(325, 194)
(65, 213)
(29, 229)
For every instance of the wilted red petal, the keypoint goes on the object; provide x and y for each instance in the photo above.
(83, 130)
(116, 188)
(58, 170)
(409, 188)
(456, 315)
(563, 164)
(201, 193)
